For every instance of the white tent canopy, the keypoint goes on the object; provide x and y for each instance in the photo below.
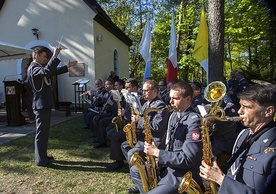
(9, 51)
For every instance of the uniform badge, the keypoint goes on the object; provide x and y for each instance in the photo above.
(159, 114)
(251, 158)
(195, 136)
(269, 149)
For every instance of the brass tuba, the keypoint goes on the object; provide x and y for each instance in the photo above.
(147, 169)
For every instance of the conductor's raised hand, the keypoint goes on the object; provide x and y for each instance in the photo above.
(57, 50)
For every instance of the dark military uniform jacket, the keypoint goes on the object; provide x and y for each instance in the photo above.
(199, 100)
(42, 93)
(165, 96)
(158, 124)
(232, 83)
(158, 120)
(243, 83)
(254, 171)
(183, 150)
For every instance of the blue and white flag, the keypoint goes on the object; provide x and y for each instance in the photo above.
(145, 50)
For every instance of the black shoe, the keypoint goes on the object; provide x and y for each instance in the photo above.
(133, 189)
(85, 127)
(115, 165)
(100, 145)
(47, 165)
(50, 158)
(95, 141)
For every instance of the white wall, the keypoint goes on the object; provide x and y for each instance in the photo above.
(104, 53)
(68, 18)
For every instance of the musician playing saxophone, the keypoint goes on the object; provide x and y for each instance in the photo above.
(252, 169)
(183, 144)
(117, 137)
(157, 120)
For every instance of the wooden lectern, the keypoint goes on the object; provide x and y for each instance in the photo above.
(13, 91)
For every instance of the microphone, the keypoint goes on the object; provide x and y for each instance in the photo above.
(11, 76)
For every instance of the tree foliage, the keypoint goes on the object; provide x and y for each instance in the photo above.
(249, 35)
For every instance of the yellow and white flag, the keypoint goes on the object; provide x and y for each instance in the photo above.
(201, 44)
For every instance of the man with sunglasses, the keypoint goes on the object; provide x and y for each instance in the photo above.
(39, 74)
(157, 121)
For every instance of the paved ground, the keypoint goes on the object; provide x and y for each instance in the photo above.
(9, 133)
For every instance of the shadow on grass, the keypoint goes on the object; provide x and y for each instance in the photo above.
(86, 166)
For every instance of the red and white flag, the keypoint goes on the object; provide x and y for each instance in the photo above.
(172, 63)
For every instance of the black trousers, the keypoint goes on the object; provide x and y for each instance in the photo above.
(43, 120)
(116, 139)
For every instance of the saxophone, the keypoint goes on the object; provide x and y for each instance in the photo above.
(118, 120)
(213, 93)
(147, 169)
(130, 130)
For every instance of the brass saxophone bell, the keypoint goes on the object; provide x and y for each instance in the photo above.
(189, 185)
(215, 91)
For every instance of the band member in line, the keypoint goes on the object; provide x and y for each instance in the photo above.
(183, 144)
(157, 120)
(252, 168)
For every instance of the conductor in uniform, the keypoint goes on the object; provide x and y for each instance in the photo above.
(252, 168)
(183, 144)
(39, 74)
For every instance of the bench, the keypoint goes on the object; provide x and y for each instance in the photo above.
(66, 105)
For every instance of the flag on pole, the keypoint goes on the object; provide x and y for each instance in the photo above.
(172, 62)
(145, 50)
(201, 44)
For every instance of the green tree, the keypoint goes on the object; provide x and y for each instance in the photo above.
(247, 35)
(246, 43)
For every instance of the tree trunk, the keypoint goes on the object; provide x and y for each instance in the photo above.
(229, 54)
(216, 40)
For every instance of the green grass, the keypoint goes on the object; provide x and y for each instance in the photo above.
(80, 168)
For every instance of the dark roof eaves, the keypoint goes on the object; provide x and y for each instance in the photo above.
(103, 19)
